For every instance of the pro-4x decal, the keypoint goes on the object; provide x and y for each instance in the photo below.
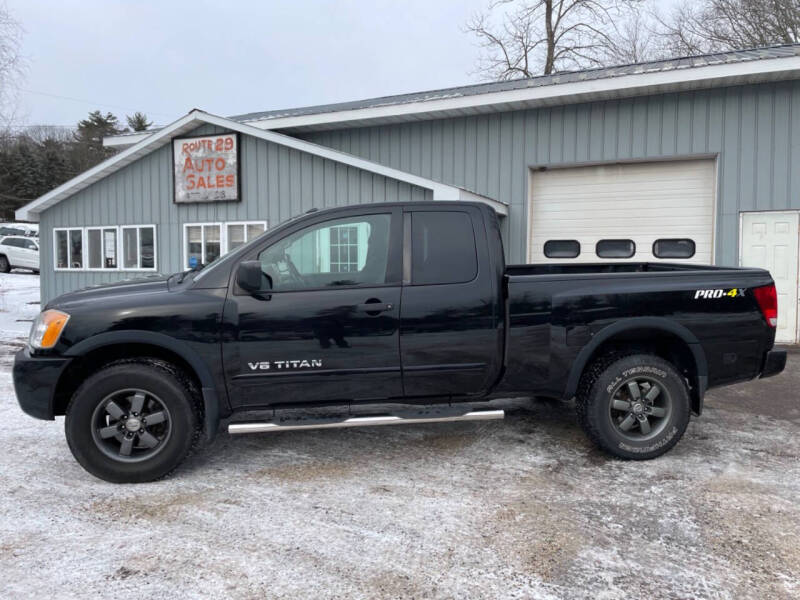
(724, 293)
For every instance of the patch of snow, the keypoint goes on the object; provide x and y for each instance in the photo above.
(19, 303)
(524, 508)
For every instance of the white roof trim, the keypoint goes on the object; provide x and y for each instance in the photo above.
(559, 93)
(127, 139)
(441, 191)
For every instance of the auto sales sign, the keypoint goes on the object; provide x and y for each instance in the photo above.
(206, 168)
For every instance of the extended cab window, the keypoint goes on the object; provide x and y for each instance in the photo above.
(344, 252)
(442, 248)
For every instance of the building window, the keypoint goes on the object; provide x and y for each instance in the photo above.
(138, 247)
(101, 246)
(68, 248)
(238, 234)
(205, 242)
(202, 243)
(343, 248)
(562, 248)
(615, 248)
(682, 248)
(128, 247)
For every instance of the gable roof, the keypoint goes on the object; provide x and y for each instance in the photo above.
(195, 118)
(738, 67)
(660, 66)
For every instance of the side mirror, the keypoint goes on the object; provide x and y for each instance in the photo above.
(250, 277)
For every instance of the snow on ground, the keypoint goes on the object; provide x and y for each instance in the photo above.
(516, 509)
(19, 303)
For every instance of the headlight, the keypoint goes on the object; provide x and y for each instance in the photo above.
(47, 329)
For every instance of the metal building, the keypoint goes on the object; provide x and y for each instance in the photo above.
(694, 159)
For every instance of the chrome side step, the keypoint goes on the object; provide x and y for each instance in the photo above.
(260, 427)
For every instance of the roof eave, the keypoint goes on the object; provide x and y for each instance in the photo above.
(440, 191)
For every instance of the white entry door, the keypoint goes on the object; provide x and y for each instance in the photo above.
(770, 241)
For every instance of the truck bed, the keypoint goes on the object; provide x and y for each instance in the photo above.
(556, 311)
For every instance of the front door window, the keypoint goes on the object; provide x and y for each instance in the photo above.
(344, 252)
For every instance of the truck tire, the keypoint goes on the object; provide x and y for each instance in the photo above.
(634, 407)
(134, 420)
(5, 266)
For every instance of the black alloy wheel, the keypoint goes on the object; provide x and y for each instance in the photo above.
(131, 425)
(640, 408)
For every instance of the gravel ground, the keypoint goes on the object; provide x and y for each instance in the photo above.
(515, 509)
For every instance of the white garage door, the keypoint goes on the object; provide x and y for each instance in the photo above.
(770, 240)
(614, 205)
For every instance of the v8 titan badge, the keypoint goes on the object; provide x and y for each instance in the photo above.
(731, 293)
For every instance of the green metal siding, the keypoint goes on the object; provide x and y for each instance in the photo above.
(753, 130)
(276, 183)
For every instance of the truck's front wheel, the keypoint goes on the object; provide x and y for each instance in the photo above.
(636, 407)
(132, 421)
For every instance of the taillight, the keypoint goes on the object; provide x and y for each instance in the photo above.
(767, 299)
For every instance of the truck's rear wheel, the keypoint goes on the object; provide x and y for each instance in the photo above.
(132, 421)
(636, 407)
(5, 266)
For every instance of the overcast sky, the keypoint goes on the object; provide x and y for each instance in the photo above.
(228, 57)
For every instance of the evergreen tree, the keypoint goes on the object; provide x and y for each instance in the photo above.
(54, 164)
(89, 136)
(138, 121)
(42, 158)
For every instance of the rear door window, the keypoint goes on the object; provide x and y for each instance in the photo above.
(442, 248)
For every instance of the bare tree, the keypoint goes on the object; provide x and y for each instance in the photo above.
(12, 66)
(636, 38)
(695, 27)
(523, 38)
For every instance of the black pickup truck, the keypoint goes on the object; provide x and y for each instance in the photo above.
(398, 313)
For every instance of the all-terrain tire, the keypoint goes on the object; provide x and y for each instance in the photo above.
(167, 389)
(605, 385)
(5, 266)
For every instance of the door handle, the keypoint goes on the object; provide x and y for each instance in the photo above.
(375, 308)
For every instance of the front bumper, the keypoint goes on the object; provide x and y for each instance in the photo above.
(774, 363)
(35, 380)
